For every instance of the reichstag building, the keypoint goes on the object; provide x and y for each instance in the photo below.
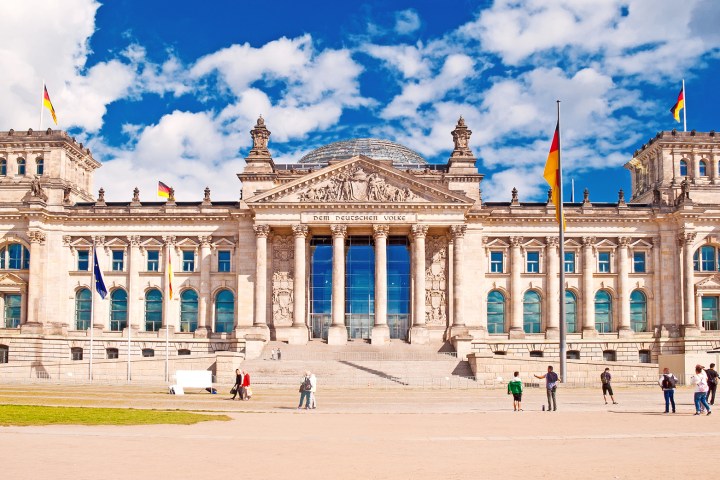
(359, 241)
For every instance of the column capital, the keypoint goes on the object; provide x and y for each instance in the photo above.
(458, 231)
(686, 238)
(588, 241)
(98, 240)
(380, 231)
(418, 230)
(338, 230)
(262, 230)
(552, 241)
(300, 231)
(205, 240)
(36, 236)
(134, 240)
(169, 240)
(516, 241)
(624, 241)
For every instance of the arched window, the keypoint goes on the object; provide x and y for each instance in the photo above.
(188, 311)
(14, 257)
(570, 312)
(683, 168)
(638, 311)
(603, 312)
(224, 311)
(705, 259)
(531, 312)
(153, 310)
(83, 298)
(496, 312)
(702, 167)
(39, 166)
(118, 310)
(3, 167)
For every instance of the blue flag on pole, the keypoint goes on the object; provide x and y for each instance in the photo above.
(99, 282)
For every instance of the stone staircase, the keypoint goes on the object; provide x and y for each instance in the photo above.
(358, 365)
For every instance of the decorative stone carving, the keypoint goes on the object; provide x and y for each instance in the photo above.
(586, 197)
(260, 137)
(461, 139)
(206, 198)
(283, 255)
(552, 242)
(66, 194)
(624, 241)
(300, 230)
(419, 230)
(134, 240)
(686, 237)
(588, 241)
(458, 230)
(136, 195)
(205, 240)
(436, 280)
(356, 185)
(36, 236)
(36, 189)
(66, 240)
(380, 231)
(171, 195)
(101, 197)
(514, 197)
(261, 230)
(169, 239)
(338, 230)
(516, 241)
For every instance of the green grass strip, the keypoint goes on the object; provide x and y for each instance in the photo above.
(27, 415)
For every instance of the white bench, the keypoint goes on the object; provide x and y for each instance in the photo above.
(191, 379)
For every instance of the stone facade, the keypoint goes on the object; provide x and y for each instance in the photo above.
(242, 268)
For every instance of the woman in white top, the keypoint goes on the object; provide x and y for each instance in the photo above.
(701, 389)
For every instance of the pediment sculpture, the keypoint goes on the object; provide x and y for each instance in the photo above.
(357, 185)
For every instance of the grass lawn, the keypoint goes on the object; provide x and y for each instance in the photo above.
(26, 415)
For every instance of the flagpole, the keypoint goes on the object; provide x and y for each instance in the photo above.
(166, 316)
(561, 223)
(129, 345)
(93, 290)
(42, 104)
(684, 106)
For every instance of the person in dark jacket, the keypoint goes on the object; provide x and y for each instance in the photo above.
(712, 380)
(238, 384)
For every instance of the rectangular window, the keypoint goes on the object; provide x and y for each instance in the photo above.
(639, 262)
(710, 312)
(153, 260)
(532, 264)
(224, 261)
(496, 262)
(118, 263)
(569, 262)
(83, 260)
(604, 262)
(188, 261)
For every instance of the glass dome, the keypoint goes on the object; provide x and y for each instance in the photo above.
(402, 157)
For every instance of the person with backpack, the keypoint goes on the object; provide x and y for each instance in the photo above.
(701, 389)
(305, 390)
(551, 381)
(712, 381)
(605, 379)
(667, 382)
(515, 388)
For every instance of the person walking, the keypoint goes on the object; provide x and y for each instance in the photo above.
(305, 388)
(712, 381)
(313, 390)
(515, 388)
(667, 382)
(551, 381)
(701, 389)
(244, 395)
(605, 379)
(272, 354)
(238, 384)
(278, 355)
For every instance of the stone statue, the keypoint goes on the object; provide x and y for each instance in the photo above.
(514, 195)
(171, 195)
(66, 194)
(101, 195)
(206, 198)
(136, 195)
(461, 139)
(260, 136)
(35, 188)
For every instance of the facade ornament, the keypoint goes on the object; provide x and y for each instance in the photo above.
(624, 241)
(66, 240)
(260, 137)
(516, 241)
(98, 240)
(461, 139)
(205, 240)
(206, 198)
(356, 185)
(380, 231)
(134, 240)
(552, 242)
(262, 230)
(36, 189)
(36, 236)
(171, 195)
(549, 197)
(514, 197)
(419, 230)
(282, 298)
(136, 195)
(586, 197)
(169, 240)
(685, 189)
(300, 230)
(458, 231)
(436, 280)
(66, 194)
(686, 238)
(621, 196)
(588, 241)
(101, 197)
(338, 230)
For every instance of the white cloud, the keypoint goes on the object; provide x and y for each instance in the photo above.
(407, 22)
(408, 59)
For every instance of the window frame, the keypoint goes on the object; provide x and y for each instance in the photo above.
(532, 266)
(3, 167)
(573, 263)
(702, 168)
(224, 265)
(227, 326)
(188, 264)
(153, 310)
(81, 261)
(644, 310)
(494, 263)
(115, 262)
(83, 305)
(153, 264)
(644, 261)
(76, 354)
(39, 166)
(493, 325)
(609, 303)
(185, 312)
(683, 168)
(21, 167)
(532, 326)
(604, 266)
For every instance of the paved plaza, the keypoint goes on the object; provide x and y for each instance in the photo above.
(366, 434)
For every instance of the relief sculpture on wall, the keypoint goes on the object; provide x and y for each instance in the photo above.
(356, 185)
(436, 280)
(282, 280)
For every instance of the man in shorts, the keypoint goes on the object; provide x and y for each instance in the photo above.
(515, 388)
(605, 379)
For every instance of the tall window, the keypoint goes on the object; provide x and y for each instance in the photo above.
(638, 311)
(153, 260)
(153, 310)
(533, 262)
(496, 312)
(707, 261)
(3, 167)
(639, 262)
(83, 299)
(320, 285)
(224, 311)
(359, 286)
(21, 166)
(710, 312)
(39, 166)
(604, 262)
(13, 308)
(398, 286)
(14, 257)
(496, 262)
(83, 260)
(703, 168)
(118, 310)
(188, 310)
(603, 312)
(569, 262)
(531, 312)
(683, 168)
(118, 260)
(188, 264)
(224, 261)
(570, 311)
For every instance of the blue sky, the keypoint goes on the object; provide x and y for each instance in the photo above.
(169, 90)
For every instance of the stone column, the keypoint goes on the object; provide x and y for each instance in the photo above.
(690, 324)
(337, 333)
(167, 301)
(33, 315)
(260, 308)
(458, 324)
(588, 296)
(299, 332)
(204, 316)
(554, 295)
(698, 310)
(380, 331)
(134, 267)
(624, 329)
(418, 332)
(516, 309)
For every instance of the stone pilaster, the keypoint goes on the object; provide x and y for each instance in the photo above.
(554, 292)
(134, 267)
(418, 332)
(588, 265)
(337, 333)
(299, 331)
(458, 325)
(204, 316)
(34, 313)
(380, 331)
(624, 329)
(167, 319)
(690, 323)
(260, 299)
(516, 308)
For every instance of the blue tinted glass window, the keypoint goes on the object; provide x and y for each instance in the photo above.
(82, 309)
(3, 168)
(710, 312)
(496, 312)
(604, 262)
(683, 168)
(638, 311)
(224, 311)
(224, 261)
(320, 285)
(188, 311)
(118, 310)
(707, 259)
(40, 166)
(153, 260)
(569, 262)
(118, 257)
(21, 166)
(12, 310)
(570, 312)
(153, 310)
(531, 312)
(359, 286)
(83, 260)
(703, 169)
(603, 312)
(15, 256)
(533, 262)
(639, 262)
(188, 261)
(496, 262)
(398, 287)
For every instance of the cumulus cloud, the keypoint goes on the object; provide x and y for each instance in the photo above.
(407, 21)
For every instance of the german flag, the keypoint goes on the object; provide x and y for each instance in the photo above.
(163, 190)
(552, 173)
(679, 105)
(48, 104)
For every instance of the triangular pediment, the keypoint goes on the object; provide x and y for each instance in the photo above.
(605, 243)
(710, 283)
(151, 243)
(572, 243)
(12, 282)
(359, 181)
(642, 243)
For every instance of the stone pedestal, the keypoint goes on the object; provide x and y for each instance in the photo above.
(516, 333)
(254, 345)
(462, 345)
(625, 332)
(552, 333)
(419, 335)
(380, 335)
(690, 331)
(297, 335)
(337, 335)
(589, 333)
(32, 328)
(202, 332)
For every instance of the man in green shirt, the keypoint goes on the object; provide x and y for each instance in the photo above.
(515, 387)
